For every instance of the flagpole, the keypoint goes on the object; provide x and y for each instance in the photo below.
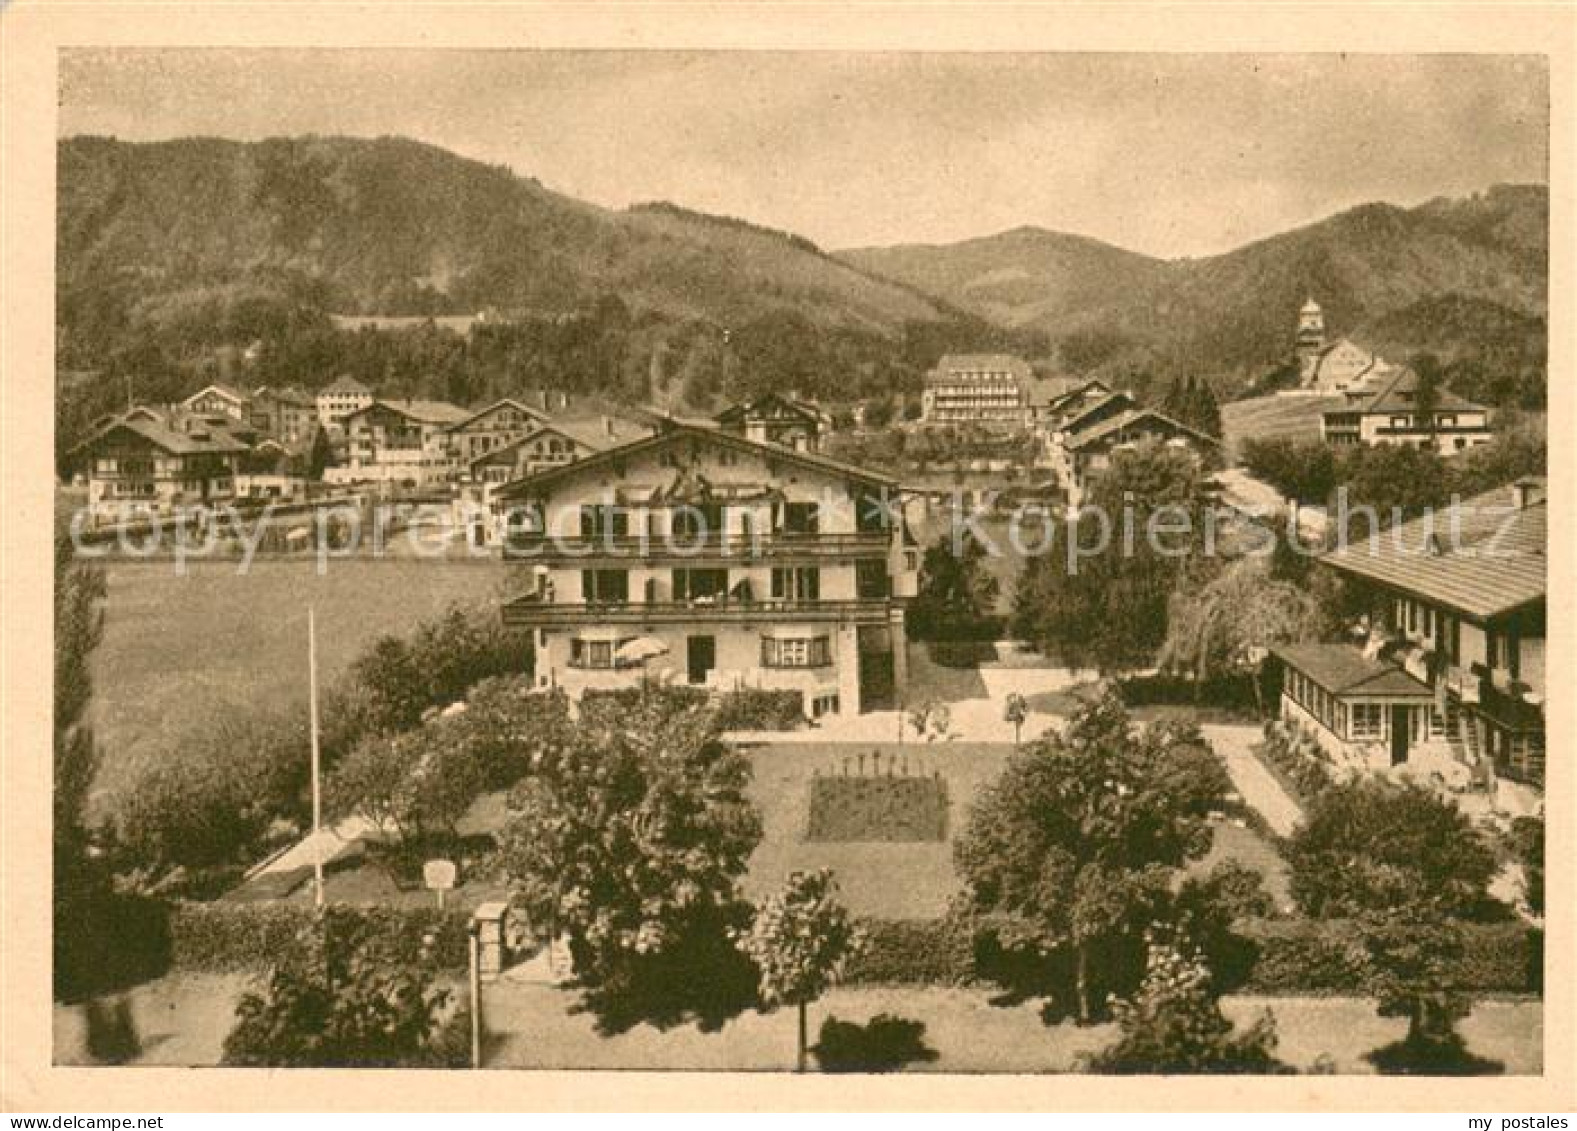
(317, 792)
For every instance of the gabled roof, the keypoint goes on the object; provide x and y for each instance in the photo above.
(286, 394)
(1399, 393)
(738, 412)
(1078, 391)
(677, 432)
(1111, 429)
(162, 434)
(1343, 670)
(345, 383)
(519, 441)
(228, 391)
(1044, 392)
(504, 402)
(1100, 404)
(425, 412)
(974, 362)
(1482, 558)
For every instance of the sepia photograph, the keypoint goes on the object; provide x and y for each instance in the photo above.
(879, 562)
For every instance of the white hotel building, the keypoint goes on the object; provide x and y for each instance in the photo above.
(699, 556)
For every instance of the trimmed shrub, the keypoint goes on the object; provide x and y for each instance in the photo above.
(745, 708)
(929, 952)
(223, 937)
(1298, 761)
(1231, 692)
(751, 708)
(963, 653)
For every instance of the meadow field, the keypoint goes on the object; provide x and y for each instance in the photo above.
(180, 651)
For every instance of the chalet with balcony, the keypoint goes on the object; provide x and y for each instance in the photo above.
(699, 556)
(150, 463)
(1391, 411)
(496, 426)
(218, 400)
(1087, 440)
(774, 418)
(483, 514)
(399, 442)
(1446, 674)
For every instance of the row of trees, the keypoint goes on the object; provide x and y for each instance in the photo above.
(1397, 482)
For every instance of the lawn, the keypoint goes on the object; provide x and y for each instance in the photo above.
(179, 650)
(910, 879)
(904, 877)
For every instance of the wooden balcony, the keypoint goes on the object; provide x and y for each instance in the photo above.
(624, 548)
(531, 611)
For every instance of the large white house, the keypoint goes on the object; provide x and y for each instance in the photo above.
(699, 556)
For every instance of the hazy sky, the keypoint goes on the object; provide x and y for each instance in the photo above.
(1171, 155)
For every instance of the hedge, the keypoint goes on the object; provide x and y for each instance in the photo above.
(962, 653)
(933, 952)
(1303, 956)
(745, 708)
(1231, 692)
(1296, 956)
(223, 937)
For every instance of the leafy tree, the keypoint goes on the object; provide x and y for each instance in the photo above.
(631, 844)
(1016, 712)
(1227, 626)
(1174, 1026)
(1072, 853)
(336, 999)
(956, 594)
(1373, 844)
(1527, 841)
(1303, 471)
(320, 456)
(1408, 952)
(1397, 483)
(800, 940)
(81, 886)
(878, 413)
(1105, 605)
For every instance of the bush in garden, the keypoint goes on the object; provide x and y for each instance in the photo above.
(933, 952)
(1174, 1025)
(1299, 759)
(631, 844)
(338, 998)
(1374, 844)
(212, 801)
(1527, 841)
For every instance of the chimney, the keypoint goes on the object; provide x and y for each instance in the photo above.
(1527, 492)
(544, 394)
(563, 401)
(607, 425)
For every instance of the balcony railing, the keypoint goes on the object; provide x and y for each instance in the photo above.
(537, 546)
(532, 611)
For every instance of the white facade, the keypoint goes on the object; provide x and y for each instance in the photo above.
(765, 577)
